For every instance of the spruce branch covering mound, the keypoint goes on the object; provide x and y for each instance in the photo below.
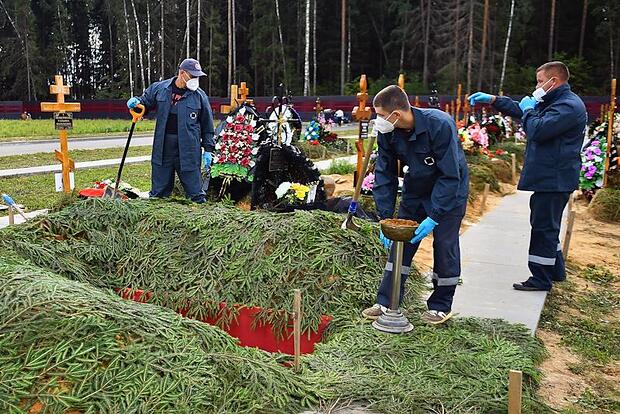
(65, 345)
(194, 257)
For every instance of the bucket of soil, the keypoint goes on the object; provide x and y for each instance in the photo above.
(398, 229)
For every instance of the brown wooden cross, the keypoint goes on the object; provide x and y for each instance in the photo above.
(60, 106)
(318, 108)
(362, 114)
(458, 103)
(401, 81)
(234, 100)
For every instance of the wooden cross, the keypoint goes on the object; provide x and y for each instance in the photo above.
(243, 93)
(60, 90)
(417, 101)
(610, 131)
(458, 103)
(318, 108)
(401, 81)
(234, 100)
(362, 114)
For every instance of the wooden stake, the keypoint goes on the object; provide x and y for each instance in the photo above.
(513, 161)
(515, 385)
(11, 216)
(297, 328)
(458, 102)
(485, 195)
(569, 233)
(610, 130)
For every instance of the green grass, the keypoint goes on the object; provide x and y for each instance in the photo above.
(605, 205)
(340, 167)
(48, 158)
(11, 130)
(38, 191)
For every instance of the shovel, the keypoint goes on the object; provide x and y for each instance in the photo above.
(136, 116)
(348, 223)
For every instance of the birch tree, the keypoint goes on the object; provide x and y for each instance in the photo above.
(505, 59)
(307, 52)
(141, 60)
(129, 49)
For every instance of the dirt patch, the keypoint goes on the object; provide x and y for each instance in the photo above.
(559, 387)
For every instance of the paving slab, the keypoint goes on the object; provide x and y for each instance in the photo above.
(4, 221)
(494, 256)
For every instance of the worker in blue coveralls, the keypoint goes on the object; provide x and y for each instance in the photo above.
(554, 120)
(434, 193)
(184, 125)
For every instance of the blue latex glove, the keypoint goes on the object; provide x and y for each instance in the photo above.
(8, 200)
(424, 229)
(207, 158)
(133, 102)
(387, 243)
(527, 103)
(480, 97)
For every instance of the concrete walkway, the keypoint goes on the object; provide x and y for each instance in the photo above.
(45, 169)
(4, 221)
(494, 255)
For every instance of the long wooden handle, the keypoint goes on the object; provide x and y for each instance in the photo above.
(358, 185)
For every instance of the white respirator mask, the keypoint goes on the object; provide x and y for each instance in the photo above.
(539, 93)
(383, 125)
(192, 84)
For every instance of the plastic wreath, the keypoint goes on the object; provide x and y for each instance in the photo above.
(235, 151)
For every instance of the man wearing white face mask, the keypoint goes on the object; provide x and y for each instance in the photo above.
(184, 125)
(554, 120)
(434, 194)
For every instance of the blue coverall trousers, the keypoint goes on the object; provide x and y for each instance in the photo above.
(446, 264)
(545, 259)
(162, 176)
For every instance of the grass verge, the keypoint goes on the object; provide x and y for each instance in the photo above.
(38, 129)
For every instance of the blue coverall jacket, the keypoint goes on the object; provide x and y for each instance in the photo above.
(437, 179)
(195, 123)
(555, 130)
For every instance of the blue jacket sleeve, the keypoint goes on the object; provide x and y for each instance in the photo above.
(206, 126)
(148, 98)
(507, 106)
(446, 150)
(555, 121)
(385, 187)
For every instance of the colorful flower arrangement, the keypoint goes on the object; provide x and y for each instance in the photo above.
(235, 150)
(295, 193)
(593, 160)
(473, 138)
(319, 131)
(368, 183)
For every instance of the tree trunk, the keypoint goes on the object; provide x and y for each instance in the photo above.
(198, 32)
(427, 31)
(129, 50)
(187, 28)
(279, 22)
(470, 49)
(502, 77)
(584, 18)
(307, 52)
(483, 49)
(551, 31)
(348, 72)
(110, 16)
(210, 53)
(314, 49)
(141, 60)
(230, 53)
(457, 34)
(25, 48)
(234, 42)
(162, 31)
(148, 42)
(343, 36)
(402, 45)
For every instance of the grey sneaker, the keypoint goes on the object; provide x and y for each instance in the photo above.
(374, 312)
(434, 317)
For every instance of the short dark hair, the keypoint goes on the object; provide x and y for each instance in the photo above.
(391, 98)
(557, 69)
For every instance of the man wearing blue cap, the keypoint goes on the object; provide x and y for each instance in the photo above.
(184, 125)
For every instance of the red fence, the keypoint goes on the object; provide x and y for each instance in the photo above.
(303, 104)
